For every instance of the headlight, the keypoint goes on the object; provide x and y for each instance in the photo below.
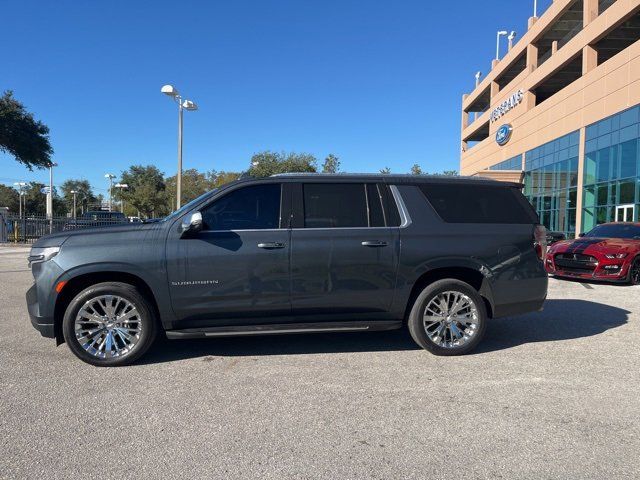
(615, 255)
(38, 255)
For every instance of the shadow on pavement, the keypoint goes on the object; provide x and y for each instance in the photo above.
(560, 320)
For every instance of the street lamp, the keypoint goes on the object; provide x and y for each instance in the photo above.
(110, 176)
(511, 36)
(50, 196)
(172, 92)
(20, 185)
(499, 34)
(121, 186)
(478, 74)
(535, 8)
(74, 193)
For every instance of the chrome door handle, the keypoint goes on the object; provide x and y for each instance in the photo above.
(374, 243)
(270, 245)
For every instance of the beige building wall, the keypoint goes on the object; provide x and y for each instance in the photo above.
(601, 91)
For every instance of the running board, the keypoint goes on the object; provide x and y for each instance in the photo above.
(283, 328)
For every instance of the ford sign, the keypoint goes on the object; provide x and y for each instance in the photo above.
(503, 134)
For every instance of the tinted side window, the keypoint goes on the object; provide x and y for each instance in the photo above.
(457, 203)
(334, 205)
(391, 208)
(249, 208)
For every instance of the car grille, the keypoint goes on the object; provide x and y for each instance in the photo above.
(576, 262)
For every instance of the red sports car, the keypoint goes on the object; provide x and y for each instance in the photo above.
(610, 251)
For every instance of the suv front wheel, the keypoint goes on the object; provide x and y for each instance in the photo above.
(109, 324)
(449, 317)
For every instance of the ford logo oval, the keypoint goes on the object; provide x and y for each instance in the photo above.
(503, 134)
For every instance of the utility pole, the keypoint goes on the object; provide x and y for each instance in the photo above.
(121, 186)
(110, 176)
(50, 197)
(20, 186)
(74, 192)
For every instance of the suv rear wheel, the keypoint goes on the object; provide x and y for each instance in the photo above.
(109, 324)
(448, 318)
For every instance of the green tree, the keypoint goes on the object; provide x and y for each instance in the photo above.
(84, 195)
(265, 164)
(416, 169)
(146, 192)
(36, 201)
(385, 171)
(450, 173)
(220, 178)
(194, 184)
(331, 164)
(9, 197)
(22, 136)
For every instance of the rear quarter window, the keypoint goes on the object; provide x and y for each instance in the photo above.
(464, 203)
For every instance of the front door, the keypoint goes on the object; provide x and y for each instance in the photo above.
(236, 270)
(343, 256)
(624, 213)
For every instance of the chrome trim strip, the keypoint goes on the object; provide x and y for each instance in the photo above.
(402, 208)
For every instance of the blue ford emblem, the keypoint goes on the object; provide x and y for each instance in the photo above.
(503, 134)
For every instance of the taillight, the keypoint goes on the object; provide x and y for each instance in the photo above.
(540, 241)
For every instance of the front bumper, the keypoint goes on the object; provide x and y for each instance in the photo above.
(600, 272)
(42, 323)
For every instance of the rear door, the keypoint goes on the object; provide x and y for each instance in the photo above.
(344, 253)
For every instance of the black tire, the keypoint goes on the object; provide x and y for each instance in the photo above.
(417, 328)
(634, 277)
(148, 323)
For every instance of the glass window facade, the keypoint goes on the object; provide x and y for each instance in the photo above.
(513, 163)
(612, 169)
(551, 182)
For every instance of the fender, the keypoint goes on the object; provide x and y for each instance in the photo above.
(409, 275)
(157, 284)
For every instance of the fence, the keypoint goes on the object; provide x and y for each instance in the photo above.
(28, 229)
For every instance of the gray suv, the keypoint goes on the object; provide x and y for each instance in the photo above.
(297, 254)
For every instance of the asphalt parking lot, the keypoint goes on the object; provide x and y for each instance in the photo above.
(553, 394)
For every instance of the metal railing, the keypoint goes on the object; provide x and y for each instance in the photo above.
(28, 229)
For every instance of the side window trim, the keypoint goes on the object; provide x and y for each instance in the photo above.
(405, 218)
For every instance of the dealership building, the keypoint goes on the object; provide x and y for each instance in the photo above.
(560, 112)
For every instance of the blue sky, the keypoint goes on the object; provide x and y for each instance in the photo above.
(352, 78)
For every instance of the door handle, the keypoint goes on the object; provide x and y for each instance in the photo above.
(270, 245)
(374, 243)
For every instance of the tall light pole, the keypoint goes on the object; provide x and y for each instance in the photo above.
(121, 186)
(74, 193)
(172, 92)
(478, 75)
(20, 186)
(50, 197)
(535, 8)
(499, 34)
(511, 36)
(110, 176)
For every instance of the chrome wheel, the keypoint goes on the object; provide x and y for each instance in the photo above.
(108, 326)
(451, 319)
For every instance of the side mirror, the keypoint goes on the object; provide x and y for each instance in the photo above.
(191, 224)
(581, 234)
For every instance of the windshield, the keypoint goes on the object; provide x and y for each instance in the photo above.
(188, 206)
(621, 230)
